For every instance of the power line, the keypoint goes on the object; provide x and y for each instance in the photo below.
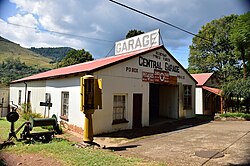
(162, 21)
(61, 33)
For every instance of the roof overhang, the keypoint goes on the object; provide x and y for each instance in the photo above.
(213, 90)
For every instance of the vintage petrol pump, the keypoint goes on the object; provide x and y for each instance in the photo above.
(90, 100)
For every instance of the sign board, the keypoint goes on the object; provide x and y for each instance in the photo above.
(46, 104)
(159, 77)
(138, 42)
(148, 77)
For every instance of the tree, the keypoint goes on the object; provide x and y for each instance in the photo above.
(239, 90)
(133, 33)
(216, 53)
(12, 69)
(240, 37)
(75, 57)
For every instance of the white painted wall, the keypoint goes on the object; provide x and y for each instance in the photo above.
(199, 101)
(37, 89)
(72, 85)
(14, 91)
(169, 101)
(4, 101)
(119, 83)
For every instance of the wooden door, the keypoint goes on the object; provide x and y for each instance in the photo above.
(137, 110)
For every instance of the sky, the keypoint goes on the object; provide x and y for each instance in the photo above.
(96, 25)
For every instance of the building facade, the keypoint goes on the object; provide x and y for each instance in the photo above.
(208, 98)
(139, 87)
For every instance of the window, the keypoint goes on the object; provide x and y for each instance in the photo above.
(187, 96)
(119, 109)
(19, 97)
(29, 96)
(47, 98)
(65, 105)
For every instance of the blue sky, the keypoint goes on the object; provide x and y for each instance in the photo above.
(86, 21)
(7, 9)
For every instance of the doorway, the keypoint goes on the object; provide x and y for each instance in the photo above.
(153, 102)
(163, 102)
(137, 110)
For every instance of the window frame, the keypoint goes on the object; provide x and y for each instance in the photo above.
(64, 114)
(116, 109)
(187, 97)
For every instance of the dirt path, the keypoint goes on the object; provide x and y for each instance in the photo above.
(178, 148)
(10, 159)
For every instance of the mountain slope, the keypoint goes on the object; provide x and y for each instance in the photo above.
(10, 49)
(55, 53)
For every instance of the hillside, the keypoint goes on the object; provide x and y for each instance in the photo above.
(10, 49)
(55, 53)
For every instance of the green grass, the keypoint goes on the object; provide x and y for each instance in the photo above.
(62, 150)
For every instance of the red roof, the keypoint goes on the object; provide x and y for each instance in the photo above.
(213, 90)
(85, 67)
(201, 78)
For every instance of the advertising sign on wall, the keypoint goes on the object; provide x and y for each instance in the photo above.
(159, 77)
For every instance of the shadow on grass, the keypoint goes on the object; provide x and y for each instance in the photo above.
(2, 162)
(163, 127)
(6, 144)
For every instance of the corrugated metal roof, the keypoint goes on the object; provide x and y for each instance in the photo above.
(213, 90)
(201, 78)
(85, 67)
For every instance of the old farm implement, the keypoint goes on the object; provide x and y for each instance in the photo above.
(28, 126)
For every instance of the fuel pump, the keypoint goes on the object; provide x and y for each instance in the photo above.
(90, 100)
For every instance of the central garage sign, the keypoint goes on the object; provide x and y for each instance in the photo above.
(142, 41)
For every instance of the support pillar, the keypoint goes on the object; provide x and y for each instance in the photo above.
(221, 104)
(88, 127)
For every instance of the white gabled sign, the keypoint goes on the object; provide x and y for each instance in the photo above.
(145, 40)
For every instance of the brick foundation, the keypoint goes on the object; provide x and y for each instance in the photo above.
(71, 127)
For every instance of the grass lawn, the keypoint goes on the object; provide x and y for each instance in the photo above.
(67, 154)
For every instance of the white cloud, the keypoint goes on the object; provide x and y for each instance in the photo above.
(26, 20)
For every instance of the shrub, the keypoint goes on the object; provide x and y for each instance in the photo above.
(26, 112)
(235, 115)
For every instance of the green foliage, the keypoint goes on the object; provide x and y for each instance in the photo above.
(13, 69)
(220, 54)
(26, 112)
(235, 115)
(75, 57)
(133, 33)
(237, 94)
(240, 37)
(238, 87)
(27, 116)
(57, 53)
